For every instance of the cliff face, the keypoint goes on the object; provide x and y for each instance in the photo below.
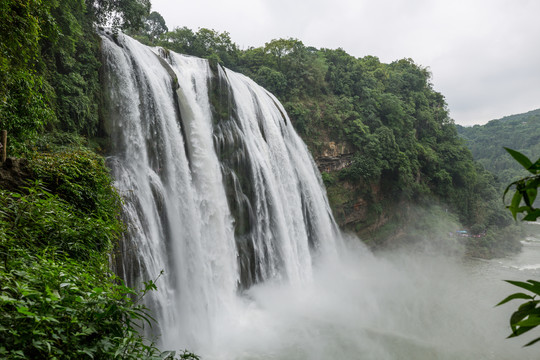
(334, 157)
(354, 204)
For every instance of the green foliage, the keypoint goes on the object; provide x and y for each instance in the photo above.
(526, 188)
(72, 66)
(69, 201)
(71, 208)
(527, 316)
(55, 309)
(24, 108)
(79, 177)
(272, 80)
(123, 14)
(42, 220)
(305, 115)
(153, 30)
(328, 179)
(155, 25)
(49, 62)
(58, 298)
(51, 307)
(363, 168)
(203, 43)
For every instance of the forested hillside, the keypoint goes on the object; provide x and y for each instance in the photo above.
(519, 132)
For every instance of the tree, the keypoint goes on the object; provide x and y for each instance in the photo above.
(527, 316)
(24, 107)
(123, 14)
(204, 43)
(180, 39)
(155, 26)
(282, 47)
(272, 80)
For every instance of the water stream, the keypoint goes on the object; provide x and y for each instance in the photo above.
(222, 196)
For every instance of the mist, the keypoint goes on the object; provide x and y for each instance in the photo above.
(408, 304)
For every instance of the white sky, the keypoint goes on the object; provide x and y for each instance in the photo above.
(484, 54)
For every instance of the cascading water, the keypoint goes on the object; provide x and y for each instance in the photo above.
(222, 195)
(220, 191)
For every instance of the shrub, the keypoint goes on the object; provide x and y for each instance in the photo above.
(58, 298)
(79, 177)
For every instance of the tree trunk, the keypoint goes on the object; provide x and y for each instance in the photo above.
(4, 146)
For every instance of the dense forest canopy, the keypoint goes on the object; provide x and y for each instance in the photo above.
(49, 62)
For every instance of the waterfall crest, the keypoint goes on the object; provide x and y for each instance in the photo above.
(221, 193)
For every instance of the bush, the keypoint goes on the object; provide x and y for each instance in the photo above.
(55, 308)
(58, 298)
(79, 177)
(41, 220)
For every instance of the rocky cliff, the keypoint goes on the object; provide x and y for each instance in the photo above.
(356, 206)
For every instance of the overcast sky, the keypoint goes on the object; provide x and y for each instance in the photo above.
(484, 54)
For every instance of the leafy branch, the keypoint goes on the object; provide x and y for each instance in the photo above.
(526, 188)
(527, 316)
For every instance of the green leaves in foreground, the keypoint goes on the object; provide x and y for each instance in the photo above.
(56, 308)
(526, 188)
(58, 297)
(527, 316)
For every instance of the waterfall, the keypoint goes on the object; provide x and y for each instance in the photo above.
(220, 192)
(223, 197)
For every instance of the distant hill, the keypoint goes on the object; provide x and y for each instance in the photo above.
(519, 132)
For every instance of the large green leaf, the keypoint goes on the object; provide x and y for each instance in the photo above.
(532, 216)
(515, 296)
(530, 285)
(514, 205)
(531, 321)
(531, 192)
(533, 342)
(520, 158)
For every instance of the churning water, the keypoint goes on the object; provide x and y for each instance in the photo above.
(224, 198)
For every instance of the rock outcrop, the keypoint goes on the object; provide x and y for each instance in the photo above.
(334, 157)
